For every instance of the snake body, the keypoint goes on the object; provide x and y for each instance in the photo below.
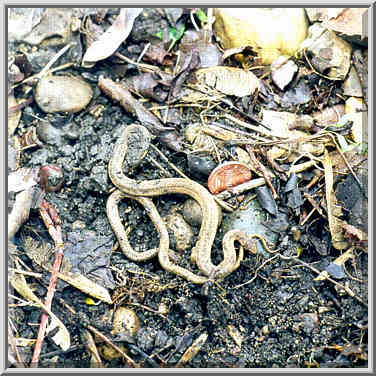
(130, 148)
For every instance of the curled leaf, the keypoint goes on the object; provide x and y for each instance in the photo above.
(229, 80)
(335, 223)
(109, 41)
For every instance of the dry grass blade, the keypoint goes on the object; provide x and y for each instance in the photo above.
(62, 337)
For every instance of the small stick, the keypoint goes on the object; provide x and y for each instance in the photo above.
(248, 126)
(87, 338)
(53, 223)
(304, 220)
(46, 69)
(116, 348)
(260, 167)
(256, 271)
(159, 166)
(254, 183)
(14, 347)
(142, 66)
(350, 292)
(176, 169)
(193, 21)
(314, 180)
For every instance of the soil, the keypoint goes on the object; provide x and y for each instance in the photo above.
(270, 313)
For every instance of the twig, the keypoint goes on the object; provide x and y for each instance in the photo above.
(32, 274)
(249, 126)
(193, 20)
(87, 338)
(116, 348)
(46, 69)
(20, 362)
(241, 188)
(260, 167)
(315, 71)
(256, 271)
(53, 223)
(142, 66)
(349, 292)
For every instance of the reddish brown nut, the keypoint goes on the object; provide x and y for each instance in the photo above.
(51, 178)
(228, 175)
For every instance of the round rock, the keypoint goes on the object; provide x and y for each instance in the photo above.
(62, 94)
(182, 233)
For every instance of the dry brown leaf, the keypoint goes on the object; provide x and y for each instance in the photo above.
(109, 41)
(229, 80)
(333, 209)
(192, 351)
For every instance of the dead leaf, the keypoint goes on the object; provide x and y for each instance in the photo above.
(192, 351)
(333, 208)
(229, 80)
(41, 256)
(145, 84)
(156, 53)
(189, 62)
(23, 178)
(348, 22)
(283, 70)
(20, 212)
(62, 337)
(109, 41)
(235, 335)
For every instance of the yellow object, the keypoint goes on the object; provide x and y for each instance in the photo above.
(299, 250)
(271, 32)
(90, 301)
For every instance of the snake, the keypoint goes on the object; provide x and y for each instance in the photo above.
(130, 149)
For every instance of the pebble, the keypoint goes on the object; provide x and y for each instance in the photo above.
(192, 212)
(62, 94)
(125, 320)
(200, 165)
(182, 234)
